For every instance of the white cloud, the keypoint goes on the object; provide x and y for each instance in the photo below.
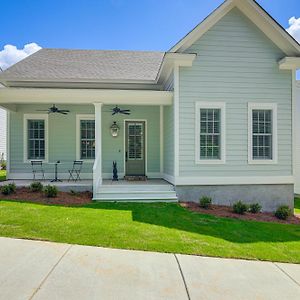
(11, 54)
(294, 29)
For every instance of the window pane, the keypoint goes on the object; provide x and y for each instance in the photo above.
(87, 139)
(36, 139)
(210, 133)
(262, 134)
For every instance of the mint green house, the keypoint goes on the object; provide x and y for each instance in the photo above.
(215, 115)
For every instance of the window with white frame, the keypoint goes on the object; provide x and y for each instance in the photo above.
(210, 132)
(35, 137)
(262, 133)
(85, 137)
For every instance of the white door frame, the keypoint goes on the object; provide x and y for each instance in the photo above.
(146, 144)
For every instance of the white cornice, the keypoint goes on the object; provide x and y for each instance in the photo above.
(84, 96)
(289, 63)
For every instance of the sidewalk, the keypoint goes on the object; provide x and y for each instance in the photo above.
(44, 270)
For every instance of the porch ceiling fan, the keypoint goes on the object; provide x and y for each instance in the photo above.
(118, 110)
(54, 109)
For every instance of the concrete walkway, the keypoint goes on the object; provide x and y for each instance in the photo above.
(43, 270)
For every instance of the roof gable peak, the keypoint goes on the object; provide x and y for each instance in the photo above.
(256, 14)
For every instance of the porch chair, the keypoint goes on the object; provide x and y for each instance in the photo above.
(76, 170)
(37, 168)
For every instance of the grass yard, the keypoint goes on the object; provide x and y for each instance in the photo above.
(159, 227)
(2, 175)
(297, 206)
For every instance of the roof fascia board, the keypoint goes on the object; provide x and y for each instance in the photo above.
(84, 96)
(170, 61)
(269, 26)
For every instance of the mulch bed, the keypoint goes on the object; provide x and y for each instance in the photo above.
(63, 198)
(226, 211)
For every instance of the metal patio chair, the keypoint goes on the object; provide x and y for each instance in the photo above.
(76, 170)
(37, 168)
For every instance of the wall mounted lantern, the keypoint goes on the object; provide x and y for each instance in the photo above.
(114, 129)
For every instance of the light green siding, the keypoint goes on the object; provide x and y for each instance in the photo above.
(61, 133)
(62, 138)
(236, 64)
(113, 147)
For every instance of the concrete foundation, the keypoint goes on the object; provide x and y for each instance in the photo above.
(268, 196)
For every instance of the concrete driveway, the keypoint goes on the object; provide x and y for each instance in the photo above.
(44, 270)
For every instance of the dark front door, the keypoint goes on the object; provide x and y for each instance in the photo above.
(135, 148)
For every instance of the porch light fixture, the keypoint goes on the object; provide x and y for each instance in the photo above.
(114, 129)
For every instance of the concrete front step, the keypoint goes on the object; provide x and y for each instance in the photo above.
(138, 192)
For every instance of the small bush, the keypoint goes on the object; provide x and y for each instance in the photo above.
(3, 165)
(255, 208)
(205, 202)
(283, 212)
(36, 186)
(50, 191)
(8, 189)
(239, 207)
(74, 193)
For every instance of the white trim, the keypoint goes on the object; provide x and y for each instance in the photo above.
(161, 138)
(146, 143)
(84, 96)
(235, 180)
(289, 63)
(208, 105)
(176, 121)
(273, 107)
(25, 136)
(169, 178)
(295, 138)
(80, 117)
(97, 167)
(8, 144)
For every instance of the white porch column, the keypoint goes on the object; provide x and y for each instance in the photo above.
(97, 169)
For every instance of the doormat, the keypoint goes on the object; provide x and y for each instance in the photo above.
(135, 178)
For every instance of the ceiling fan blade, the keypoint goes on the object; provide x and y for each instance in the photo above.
(63, 110)
(113, 113)
(125, 113)
(42, 110)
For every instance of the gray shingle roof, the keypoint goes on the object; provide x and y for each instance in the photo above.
(97, 65)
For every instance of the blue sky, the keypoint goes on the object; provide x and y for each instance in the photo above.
(113, 24)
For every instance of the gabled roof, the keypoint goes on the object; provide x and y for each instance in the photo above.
(86, 65)
(256, 14)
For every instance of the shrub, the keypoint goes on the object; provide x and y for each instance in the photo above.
(74, 193)
(283, 212)
(36, 186)
(205, 202)
(8, 189)
(239, 207)
(50, 191)
(3, 165)
(255, 208)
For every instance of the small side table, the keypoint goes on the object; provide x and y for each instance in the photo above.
(55, 168)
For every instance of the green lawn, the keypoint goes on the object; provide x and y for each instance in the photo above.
(2, 175)
(297, 205)
(157, 227)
